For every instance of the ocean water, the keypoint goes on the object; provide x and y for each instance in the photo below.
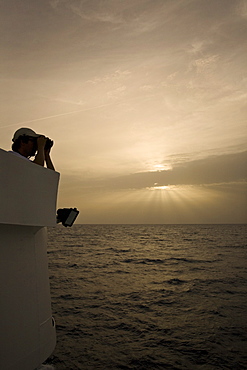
(149, 296)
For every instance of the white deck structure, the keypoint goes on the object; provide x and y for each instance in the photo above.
(28, 195)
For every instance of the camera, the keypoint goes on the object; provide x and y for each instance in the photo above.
(48, 144)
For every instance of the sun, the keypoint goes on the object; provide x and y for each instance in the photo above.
(157, 187)
(159, 167)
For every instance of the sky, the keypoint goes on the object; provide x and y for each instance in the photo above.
(145, 101)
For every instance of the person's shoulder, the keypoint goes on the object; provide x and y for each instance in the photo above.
(18, 155)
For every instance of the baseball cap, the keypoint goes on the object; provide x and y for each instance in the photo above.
(24, 132)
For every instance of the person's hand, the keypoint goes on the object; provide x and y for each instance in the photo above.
(48, 146)
(41, 140)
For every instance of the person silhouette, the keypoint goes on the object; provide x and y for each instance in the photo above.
(27, 143)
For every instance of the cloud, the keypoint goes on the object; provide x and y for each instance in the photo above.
(54, 3)
(113, 77)
(104, 11)
(206, 65)
(221, 171)
(215, 169)
(242, 8)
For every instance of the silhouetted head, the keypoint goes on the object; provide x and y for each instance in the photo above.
(25, 142)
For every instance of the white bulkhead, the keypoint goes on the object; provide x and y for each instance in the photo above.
(28, 195)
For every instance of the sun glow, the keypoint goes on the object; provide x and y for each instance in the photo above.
(156, 204)
(160, 167)
(156, 187)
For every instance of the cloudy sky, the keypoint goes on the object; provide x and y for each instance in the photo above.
(145, 100)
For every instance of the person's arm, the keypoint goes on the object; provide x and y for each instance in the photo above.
(40, 156)
(48, 160)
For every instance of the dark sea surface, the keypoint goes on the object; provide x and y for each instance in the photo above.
(149, 296)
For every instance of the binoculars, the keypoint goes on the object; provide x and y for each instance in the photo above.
(48, 144)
